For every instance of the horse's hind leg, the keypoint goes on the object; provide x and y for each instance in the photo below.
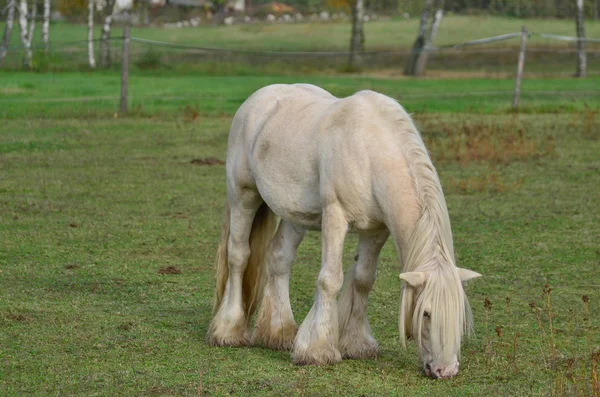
(355, 333)
(229, 324)
(275, 325)
(317, 339)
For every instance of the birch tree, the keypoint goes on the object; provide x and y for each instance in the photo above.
(419, 43)
(28, 56)
(144, 11)
(105, 59)
(581, 55)
(10, 16)
(429, 38)
(91, 59)
(31, 21)
(425, 37)
(357, 40)
(46, 26)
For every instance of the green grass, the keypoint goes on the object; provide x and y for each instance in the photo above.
(96, 94)
(93, 206)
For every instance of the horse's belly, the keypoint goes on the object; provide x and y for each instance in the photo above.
(298, 203)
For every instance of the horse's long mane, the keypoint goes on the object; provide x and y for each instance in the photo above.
(430, 250)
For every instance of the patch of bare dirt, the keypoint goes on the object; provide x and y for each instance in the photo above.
(21, 318)
(72, 267)
(208, 161)
(125, 326)
(169, 270)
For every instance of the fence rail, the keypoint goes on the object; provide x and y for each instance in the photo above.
(476, 55)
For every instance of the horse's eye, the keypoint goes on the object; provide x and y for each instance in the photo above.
(426, 314)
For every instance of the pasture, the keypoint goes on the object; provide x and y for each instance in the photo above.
(109, 226)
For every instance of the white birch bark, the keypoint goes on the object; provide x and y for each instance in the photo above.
(10, 16)
(105, 36)
(46, 25)
(31, 19)
(357, 39)
(105, 41)
(146, 12)
(581, 55)
(91, 59)
(24, 33)
(419, 43)
(430, 37)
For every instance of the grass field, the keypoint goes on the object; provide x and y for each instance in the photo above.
(108, 230)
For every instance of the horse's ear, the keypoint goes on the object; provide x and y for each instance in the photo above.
(414, 279)
(466, 274)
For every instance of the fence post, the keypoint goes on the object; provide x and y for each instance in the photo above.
(125, 64)
(520, 66)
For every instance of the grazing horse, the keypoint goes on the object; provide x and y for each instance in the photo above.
(355, 164)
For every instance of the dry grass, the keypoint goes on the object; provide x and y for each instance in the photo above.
(493, 182)
(486, 141)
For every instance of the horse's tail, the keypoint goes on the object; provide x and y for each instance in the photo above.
(263, 228)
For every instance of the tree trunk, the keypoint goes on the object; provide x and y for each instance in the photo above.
(105, 59)
(27, 58)
(10, 17)
(595, 10)
(145, 11)
(91, 59)
(419, 43)
(125, 64)
(357, 40)
(581, 55)
(46, 26)
(423, 55)
(31, 18)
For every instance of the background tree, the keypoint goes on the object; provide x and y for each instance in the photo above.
(425, 37)
(357, 40)
(46, 25)
(581, 55)
(31, 21)
(105, 58)
(28, 56)
(91, 58)
(10, 16)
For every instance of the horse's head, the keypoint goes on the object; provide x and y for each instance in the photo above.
(435, 313)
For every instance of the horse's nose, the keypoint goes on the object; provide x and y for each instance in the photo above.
(436, 372)
(430, 372)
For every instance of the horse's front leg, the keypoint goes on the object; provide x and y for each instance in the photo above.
(317, 339)
(355, 333)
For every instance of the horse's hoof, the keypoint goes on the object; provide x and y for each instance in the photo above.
(367, 348)
(324, 355)
(227, 335)
(278, 339)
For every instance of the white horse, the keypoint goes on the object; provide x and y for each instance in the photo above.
(356, 164)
